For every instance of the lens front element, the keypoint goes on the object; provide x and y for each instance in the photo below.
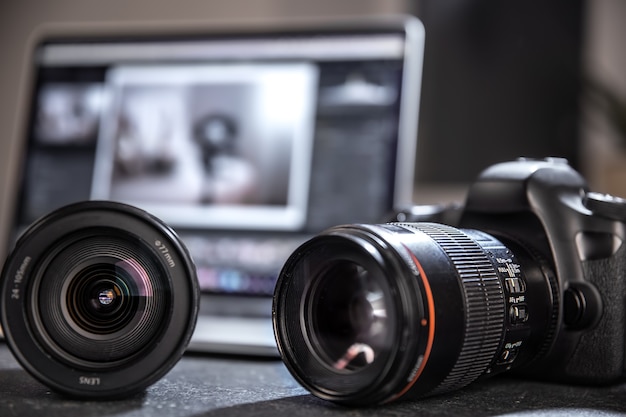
(102, 298)
(347, 316)
(337, 317)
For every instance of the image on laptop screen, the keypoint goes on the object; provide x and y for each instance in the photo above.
(246, 143)
(209, 145)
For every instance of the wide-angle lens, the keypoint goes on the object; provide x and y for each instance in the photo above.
(99, 299)
(366, 314)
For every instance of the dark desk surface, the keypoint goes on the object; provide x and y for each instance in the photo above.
(210, 386)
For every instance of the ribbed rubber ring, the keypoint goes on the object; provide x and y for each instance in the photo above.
(484, 303)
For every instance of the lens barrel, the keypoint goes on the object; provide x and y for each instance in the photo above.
(99, 299)
(366, 314)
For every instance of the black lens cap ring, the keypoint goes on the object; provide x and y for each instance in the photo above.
(77, 274)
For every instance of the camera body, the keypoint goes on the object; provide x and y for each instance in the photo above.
(580, 236)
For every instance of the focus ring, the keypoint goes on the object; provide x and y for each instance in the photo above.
(484, 303)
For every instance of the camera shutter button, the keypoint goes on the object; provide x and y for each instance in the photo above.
(606, 205)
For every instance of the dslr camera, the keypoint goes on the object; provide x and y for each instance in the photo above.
(527, 276)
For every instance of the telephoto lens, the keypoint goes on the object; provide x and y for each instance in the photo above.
(99, 300)
(367, 314)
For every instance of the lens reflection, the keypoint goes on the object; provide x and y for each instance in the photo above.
(348, 316)
(106, 297)
(102, 299)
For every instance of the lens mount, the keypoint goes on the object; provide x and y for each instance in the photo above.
(99, 299)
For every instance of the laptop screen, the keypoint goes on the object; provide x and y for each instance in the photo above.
(245, 143)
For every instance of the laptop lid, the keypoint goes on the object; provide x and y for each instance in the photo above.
(246, 142)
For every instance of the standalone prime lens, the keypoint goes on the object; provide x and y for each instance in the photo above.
(366, 314)
(99, 299)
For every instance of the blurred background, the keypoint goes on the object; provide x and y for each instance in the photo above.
(500, 80)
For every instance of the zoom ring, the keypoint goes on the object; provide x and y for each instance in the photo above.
(484, 304)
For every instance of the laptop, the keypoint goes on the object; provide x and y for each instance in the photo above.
(247, 142)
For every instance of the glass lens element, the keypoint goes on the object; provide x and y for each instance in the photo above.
(349, 313)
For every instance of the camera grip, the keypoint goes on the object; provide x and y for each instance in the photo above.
(599, 355)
